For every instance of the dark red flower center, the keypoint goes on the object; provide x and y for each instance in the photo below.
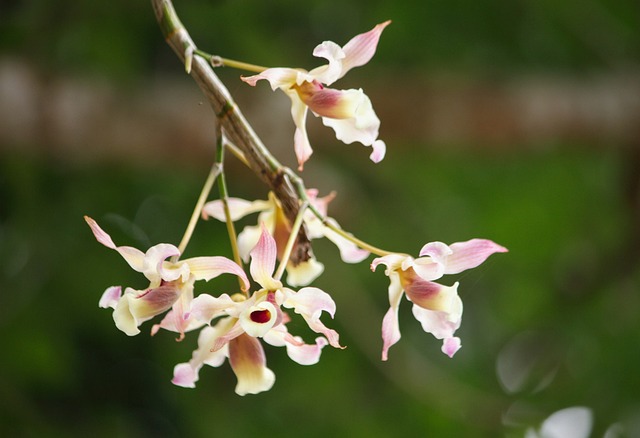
(260, 316)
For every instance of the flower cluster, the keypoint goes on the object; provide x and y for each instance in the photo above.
(232, 324)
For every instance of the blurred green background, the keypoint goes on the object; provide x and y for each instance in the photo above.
(516, 121)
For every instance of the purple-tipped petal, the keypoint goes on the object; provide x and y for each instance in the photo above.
(110, 297)
(450, 346)
(133, 256)
(263, 261)
(379, 151)
(361, 48)
(467, 255)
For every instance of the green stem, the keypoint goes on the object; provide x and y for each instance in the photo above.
(292, 240)
(215, 171)
(218, 61)
(224, 196)
(302, 193)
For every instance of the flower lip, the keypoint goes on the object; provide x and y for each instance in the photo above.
(260, 316)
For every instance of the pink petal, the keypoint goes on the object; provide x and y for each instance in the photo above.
(467, 255)
(248, 362)
(185, 375)
(263, 261)
(390, 331)
(206, 268)
(379, 151)
(361, 48)
(133, 256)
(110, 297)
(390, 324)
(301, 145)
(306, 354)
(450, 346)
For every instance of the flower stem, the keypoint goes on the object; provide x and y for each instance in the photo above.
(302, 193)
(218, 61)
(215, 171)
(292, 240)
(224, 196)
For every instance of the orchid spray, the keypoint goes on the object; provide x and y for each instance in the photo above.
(234, 324)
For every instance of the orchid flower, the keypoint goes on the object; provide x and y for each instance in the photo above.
(240, 321)
(438, 308)
(348, 112)
(273, 217)
(171, 285)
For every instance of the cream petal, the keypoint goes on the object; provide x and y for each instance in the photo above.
(327, 74)
(279, 77)
(205, 308)
(136, 307)
(310, 302)
(349, 251)
(248, 362)
(238, 208)
(303, 273)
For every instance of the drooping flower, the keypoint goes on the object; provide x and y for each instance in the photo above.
(170, 285)
(438, 308)
(238, 322)
(348, 112)
(276, 222)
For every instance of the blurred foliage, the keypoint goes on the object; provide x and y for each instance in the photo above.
(120, 37)
(562, 302)
(552, 324)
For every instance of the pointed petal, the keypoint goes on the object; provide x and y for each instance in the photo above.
(450, 346)
(248, 362)
(110, 297)
(467, 255)
(301, 145)
(205, 308)
(310, 302)
(361, 48)
(349, 251)
(390, 324)
(263, 261)
(133, 256)
(186, 374)
(238, 208)
(278, 77)
(206, 268)
(247, 240)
